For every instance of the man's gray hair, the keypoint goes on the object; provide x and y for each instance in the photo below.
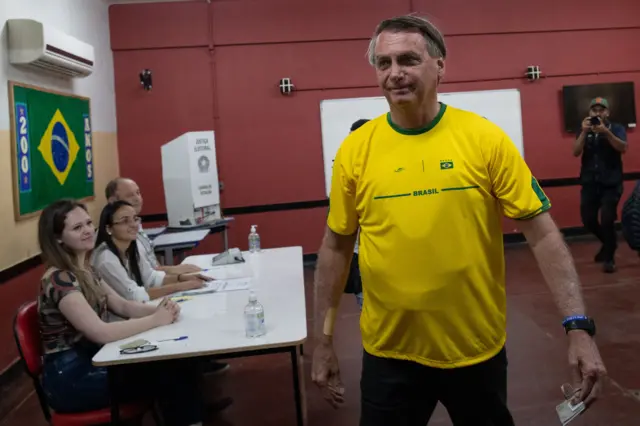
(411, 23)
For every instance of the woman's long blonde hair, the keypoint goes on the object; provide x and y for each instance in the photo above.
(55, 254)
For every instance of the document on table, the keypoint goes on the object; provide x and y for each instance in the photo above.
(218, 286)
(229, 272)
(233, 285)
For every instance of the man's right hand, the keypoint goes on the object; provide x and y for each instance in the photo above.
(325, 373)
(586, 124)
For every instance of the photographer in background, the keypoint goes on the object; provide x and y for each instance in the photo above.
(601, 144)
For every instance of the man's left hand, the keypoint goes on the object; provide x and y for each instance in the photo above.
(587, 368)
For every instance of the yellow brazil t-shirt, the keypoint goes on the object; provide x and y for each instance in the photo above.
(429, 204)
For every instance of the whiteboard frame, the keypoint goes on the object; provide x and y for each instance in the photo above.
(337, 115)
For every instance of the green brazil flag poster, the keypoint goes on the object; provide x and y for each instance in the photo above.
(52, 148)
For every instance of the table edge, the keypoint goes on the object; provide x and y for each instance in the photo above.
(134, 360)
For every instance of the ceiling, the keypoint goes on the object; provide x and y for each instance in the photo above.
(145, 1)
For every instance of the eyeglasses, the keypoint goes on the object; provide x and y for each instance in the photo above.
(139, 349)
(128, 221)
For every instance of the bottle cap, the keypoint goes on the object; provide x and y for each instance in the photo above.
(252, 296)
(254, 228)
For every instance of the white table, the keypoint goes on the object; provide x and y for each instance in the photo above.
(168, 242)
(215, 322)
(154, 232)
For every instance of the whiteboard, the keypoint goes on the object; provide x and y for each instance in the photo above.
(502, 107)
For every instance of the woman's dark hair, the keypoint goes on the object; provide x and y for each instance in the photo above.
(106, 220)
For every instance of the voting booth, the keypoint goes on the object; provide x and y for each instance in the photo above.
(190, 178)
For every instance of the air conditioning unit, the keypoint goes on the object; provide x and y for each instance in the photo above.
(31, 43)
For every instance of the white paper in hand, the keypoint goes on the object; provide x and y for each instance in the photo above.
(567, 412)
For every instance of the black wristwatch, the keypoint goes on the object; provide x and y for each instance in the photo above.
(580, 322)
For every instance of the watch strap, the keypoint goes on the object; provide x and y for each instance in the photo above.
(579, 322)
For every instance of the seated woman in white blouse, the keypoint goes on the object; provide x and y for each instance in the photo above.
(117, 260)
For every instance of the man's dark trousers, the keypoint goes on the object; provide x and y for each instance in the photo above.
(601, 200)
(405, 393)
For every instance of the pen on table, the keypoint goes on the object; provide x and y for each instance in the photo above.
(175, 339)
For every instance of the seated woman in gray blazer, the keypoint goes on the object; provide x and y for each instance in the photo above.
(117, 259)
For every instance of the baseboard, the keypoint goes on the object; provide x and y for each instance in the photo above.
(20, 268)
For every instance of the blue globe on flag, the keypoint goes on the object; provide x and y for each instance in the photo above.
(60, 147)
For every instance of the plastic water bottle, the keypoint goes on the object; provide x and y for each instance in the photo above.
(254, 317)
(254, 240)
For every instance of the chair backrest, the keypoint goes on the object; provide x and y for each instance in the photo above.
(26, 330)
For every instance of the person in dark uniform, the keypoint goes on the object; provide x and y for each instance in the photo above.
(601, 144)
(354, 280)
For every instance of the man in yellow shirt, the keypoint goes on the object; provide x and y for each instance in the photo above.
(427, 185)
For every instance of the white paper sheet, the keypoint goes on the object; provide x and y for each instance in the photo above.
(218, 286)
(233, 285)
(229, 272)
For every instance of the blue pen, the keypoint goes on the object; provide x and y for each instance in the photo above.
(174, 339)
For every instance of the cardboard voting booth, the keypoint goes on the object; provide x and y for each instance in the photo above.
(190, 178)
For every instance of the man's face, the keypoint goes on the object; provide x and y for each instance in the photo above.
(599, 111)
(404, 69)
(128, 191)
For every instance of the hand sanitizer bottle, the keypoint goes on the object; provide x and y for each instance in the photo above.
(254, 317)
(254, 240)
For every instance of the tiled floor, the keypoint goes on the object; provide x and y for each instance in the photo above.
(262, 387)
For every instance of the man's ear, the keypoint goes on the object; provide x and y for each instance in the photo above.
(441, 67)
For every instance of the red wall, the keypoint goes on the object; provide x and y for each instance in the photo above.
(217, 66)
(13, 294)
